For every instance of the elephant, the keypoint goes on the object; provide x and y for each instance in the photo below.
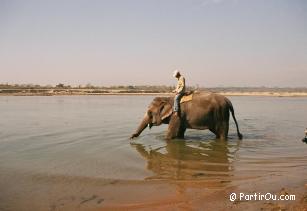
(204, 111)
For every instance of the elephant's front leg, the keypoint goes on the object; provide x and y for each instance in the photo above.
(173, 127)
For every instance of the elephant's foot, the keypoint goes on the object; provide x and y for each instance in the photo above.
(181, 132)
(181, 137)
(223, 138)
(168, 137)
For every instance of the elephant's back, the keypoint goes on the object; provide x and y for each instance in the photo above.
(210, 97)
(202, 110)
(206, 101)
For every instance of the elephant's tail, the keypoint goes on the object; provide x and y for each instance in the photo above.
(234, 118)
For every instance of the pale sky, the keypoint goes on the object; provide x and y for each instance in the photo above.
(141, 42)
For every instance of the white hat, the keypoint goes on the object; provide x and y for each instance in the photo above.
(175, 73)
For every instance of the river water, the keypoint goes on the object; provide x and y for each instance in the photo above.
(61, 138)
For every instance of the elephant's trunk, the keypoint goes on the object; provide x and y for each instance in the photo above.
(141, 127)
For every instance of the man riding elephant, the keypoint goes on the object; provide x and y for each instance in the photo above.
(180, 90)
(203, 111)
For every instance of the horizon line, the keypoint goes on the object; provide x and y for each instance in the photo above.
(130, 85)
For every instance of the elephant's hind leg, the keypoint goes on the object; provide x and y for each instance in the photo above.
(223, 130)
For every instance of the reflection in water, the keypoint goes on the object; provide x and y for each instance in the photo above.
(189, 160)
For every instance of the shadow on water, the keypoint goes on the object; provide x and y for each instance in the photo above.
(190, 159)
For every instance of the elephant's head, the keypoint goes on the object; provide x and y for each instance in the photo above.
(157, 113)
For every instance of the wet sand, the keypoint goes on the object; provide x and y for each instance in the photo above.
(50, 192)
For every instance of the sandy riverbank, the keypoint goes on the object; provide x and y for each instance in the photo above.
(82, 193)
(69, 93)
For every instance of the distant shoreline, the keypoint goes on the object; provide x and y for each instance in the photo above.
(155, 90)
(90, 92)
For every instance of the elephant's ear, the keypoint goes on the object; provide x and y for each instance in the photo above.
(166, 110)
